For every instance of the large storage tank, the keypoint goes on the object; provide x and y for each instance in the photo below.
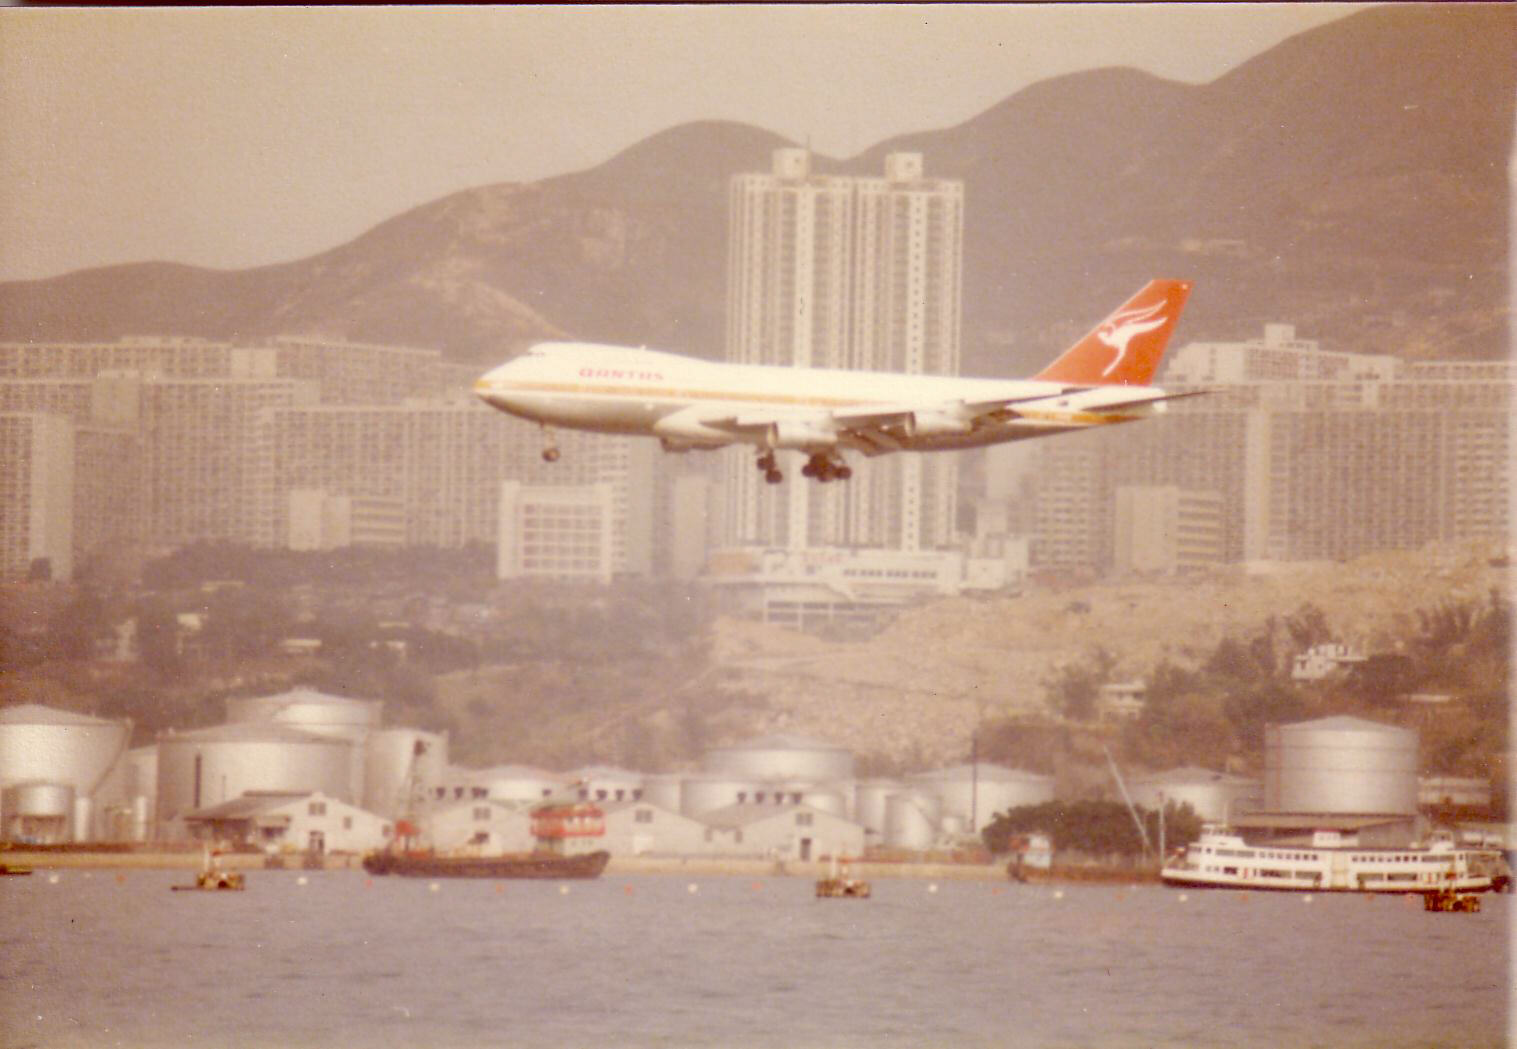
(1216, 797)
(664, 789)
(319, 713)
(869, 798)
(1340, 765)
(208, 766)
(605, 783)
(911, 820)
(311, 711)
(706, 793)
(39, 813)
(400, 766)
(522, 783)
(42, 745)
(981, 791)
(782, 758)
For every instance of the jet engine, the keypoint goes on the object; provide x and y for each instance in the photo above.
(800, 433)
(937, 424)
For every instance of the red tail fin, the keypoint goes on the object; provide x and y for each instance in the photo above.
(1125, 348)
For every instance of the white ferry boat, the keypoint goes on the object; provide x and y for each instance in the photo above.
(1223, 860)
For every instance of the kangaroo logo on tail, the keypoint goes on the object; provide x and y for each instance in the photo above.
(1122, 328)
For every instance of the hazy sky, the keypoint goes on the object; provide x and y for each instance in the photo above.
(238, 137)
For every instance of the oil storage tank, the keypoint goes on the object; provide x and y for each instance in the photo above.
(911, 820)
(1215, 797)
(309, 710)
(522, 783)
(211, 765)
(399, 766)
(1340, 765)
(781, 757)
(42, 745)
(706, 793)
(974, 793)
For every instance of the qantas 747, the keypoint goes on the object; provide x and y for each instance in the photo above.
(690, 403)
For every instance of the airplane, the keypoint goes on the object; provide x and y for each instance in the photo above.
(689, 403)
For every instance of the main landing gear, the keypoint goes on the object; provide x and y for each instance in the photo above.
(770, 468)
(826, 468)
(822, 466)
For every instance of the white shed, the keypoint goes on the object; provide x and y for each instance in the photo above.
(485, 824)
(641, 828)
(797, 832)
(282, 821)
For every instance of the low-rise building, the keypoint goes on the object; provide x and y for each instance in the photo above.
(640, 828)
(284, 821)
(797, 832)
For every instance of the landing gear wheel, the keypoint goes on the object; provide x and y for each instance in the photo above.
(773, 476)
(844, 472)
(766, 462)
(550, 455)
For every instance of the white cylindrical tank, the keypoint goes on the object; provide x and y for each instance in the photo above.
(522, 783)
(1342, 766)
(208, 766)
(983, 790)
(869, 798)
(310, 711)
(39, 812)
(663, 789)
(142, 789)
(399, 768)
(41, 744)
(700, 793)
(781, 758)
(1216, 797)
(911, 820)
(321, 714)
(826, 798)
(603, 783)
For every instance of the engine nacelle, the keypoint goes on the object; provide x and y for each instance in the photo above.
(799, 433)
(938, 424)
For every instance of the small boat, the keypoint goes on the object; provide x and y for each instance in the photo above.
(1221, 859)
(840, 886)
(211, 878)
(1447, 901)
(13, 872)
(510, 865)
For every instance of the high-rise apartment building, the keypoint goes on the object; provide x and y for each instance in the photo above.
(1316, 455)
(36, 494)
(828, 271)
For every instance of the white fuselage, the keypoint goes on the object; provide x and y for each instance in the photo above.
(613, 389)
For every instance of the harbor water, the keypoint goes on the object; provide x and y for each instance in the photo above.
(102, 958)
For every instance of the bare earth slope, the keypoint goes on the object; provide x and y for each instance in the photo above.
(918, 687)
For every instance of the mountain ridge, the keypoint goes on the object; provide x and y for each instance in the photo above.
(1351, 180)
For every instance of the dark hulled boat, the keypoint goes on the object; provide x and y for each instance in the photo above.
(519, 865)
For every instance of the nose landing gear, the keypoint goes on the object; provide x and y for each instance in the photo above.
(550, 449)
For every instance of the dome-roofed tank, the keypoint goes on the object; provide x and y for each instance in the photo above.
(40, 744)
(208, 766)
(1216, 797)
(663, 789)
(911, 820)
(794, 758)
(983, 790)
(1342, 766)
(706, 793)
(606, 783)
(869, 797)
(524, 783)
(310, 711)
(399, 767)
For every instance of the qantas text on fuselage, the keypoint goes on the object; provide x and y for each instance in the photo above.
(690, 403)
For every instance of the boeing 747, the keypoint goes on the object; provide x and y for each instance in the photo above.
(690, 403)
